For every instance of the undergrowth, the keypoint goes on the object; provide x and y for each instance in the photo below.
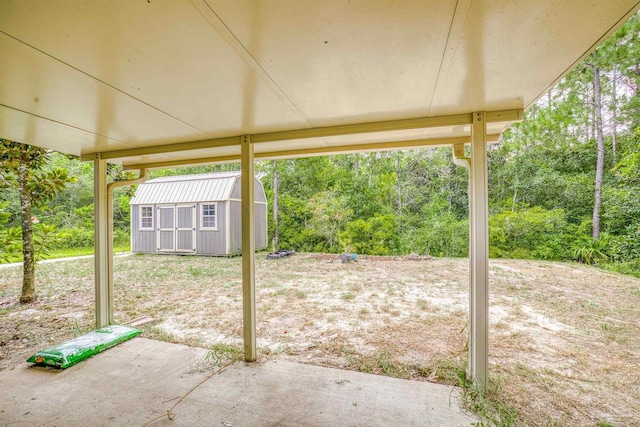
(221, 354)
(486, 403)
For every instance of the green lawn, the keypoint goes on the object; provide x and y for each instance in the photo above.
(71, 252)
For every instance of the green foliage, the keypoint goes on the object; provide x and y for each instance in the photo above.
(533, 233)
(626, 246)
(443, 235)
(592, 251)
(631, 268)
(374, 236)
(76, 237)
(43, 184)
(330, 213)
(223, 354)
(486, 404)
(45, 238)
(9, 237)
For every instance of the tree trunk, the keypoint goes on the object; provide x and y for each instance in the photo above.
(614, 118)
(597, 98)
(357, 164)
(28, 279)
(398, 183)
(276, 225)
(515, 193)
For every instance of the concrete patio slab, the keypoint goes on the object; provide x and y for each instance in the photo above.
(141, 379)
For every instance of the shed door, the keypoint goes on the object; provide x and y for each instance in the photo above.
(166, 229)
(186, 228)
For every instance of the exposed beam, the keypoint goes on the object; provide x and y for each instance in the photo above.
(319, 132)
(183, 162)
(320, 151)
(168, 148)
(386, 126)
(359, 148)
(504, 116)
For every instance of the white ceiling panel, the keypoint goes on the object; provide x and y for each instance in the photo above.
(511, 52)
(164, 54)
(34, 130)
(45, 87)
(86, 76)
(341, 61)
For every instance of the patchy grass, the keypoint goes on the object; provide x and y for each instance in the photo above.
(73, 252)
(221, 354)
(564, 338)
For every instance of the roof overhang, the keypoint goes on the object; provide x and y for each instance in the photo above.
(167, 83)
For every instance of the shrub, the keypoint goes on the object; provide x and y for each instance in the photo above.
(534, 233)
(75, 237)
(374, 236)
(441, 236)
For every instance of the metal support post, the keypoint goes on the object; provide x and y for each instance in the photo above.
(479, 253)
(248, 250)
(101, 241)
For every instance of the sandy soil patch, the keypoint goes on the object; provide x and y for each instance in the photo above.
(564, 339)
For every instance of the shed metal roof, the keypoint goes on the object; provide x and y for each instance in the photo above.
(166, 82)
(213, 187)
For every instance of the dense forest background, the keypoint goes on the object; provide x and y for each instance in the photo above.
(564, 184)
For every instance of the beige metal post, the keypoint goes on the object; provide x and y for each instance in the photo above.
(248, 250)
(101, 241)
(479, 253)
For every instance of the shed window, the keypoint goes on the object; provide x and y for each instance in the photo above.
(209, 218)
(146, 217)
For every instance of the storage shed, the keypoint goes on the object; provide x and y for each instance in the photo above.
(194, 214)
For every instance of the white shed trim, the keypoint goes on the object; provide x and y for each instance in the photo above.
(202, 226)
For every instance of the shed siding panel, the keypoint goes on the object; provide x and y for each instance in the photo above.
(141, 241)
(259, 195)
(166, 241)
(212, 242)
(166, 217)
(236, 193)
(236, 228)
(147, 242)
(184, 240)
(261, 226)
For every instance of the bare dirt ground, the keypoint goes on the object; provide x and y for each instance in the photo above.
(564, 338)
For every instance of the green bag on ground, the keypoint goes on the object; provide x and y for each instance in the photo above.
(73, 351)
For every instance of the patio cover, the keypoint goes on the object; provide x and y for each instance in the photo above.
(161, 83)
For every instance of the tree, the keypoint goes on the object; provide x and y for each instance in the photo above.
(597, 101)
(276, 223)
(330, 215)
(23, 167)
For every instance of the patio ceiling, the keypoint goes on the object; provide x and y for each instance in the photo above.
(168, 82)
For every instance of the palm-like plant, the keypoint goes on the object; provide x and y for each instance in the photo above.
(592, 251)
